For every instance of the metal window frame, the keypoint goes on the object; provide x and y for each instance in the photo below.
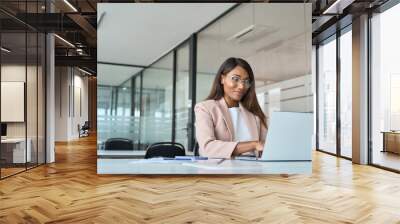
(174, 79)
(192, 89)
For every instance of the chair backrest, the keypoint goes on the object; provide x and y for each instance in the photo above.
(196, 149)
(118, 144)
(86, 125)
(165, 149)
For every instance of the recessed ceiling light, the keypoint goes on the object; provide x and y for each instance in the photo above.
(70, 5)
(84, 71)
(337, 7)
(64, 40)
(5, 50)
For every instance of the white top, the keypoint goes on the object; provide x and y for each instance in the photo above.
(241, 130)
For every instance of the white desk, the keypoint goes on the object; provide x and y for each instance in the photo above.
(18, 153)
(137, 166)
(133, 154)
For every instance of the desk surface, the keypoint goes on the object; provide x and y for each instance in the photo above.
(13, 140)
(136, 154)
(140, 166)
(390, 132)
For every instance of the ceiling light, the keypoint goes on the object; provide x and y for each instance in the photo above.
(5, 50)
(241, 33)
(84, 71)
(70, 5)
(253, 33)
(337, 7)
(65, 41)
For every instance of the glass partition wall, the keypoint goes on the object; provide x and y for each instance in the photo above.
(22, 77)
(385, 89)
(182, 108)
(334, 75)
(117, 113)
(162, 94)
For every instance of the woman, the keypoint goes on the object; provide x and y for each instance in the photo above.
(230, 122)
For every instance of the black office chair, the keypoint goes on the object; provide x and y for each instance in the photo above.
(118, 144)
(196, 149)
(84, 129)
(165, 149)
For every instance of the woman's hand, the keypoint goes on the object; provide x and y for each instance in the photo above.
(250, 146)
(259, 147)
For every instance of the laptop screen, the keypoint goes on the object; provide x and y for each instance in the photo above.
(289, 136)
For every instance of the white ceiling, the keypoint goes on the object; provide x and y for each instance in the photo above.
(112, 75)
(140, 33)
(279, 47)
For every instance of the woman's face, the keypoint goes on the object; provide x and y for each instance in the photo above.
(236, 83)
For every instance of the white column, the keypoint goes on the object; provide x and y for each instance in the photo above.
(50, 100)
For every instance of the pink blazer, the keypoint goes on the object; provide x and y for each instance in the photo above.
(215, 131)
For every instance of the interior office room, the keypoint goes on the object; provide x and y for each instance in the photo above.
(91, 88)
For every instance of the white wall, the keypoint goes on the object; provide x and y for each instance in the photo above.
(295, 95)
(289, 95)
(15, 72)
(34, 124)
(71, 102)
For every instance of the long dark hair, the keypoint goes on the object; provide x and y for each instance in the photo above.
(249, 100)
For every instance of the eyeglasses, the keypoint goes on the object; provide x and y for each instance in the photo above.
(236, 80)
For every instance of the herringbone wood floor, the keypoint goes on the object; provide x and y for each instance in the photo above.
(70, 191)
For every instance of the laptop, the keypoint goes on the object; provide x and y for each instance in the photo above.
(289, 138)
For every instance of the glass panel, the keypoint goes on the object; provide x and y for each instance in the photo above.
(32, 87)
(156, 120)
(104, 113)
(41, 98)
(123, 110)
(327, 95)
(32, 101)
(13, 87)
(22, 66)
(114, 99)
(182, 96)
(208, 41)
(346, 93)
(386, 89)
